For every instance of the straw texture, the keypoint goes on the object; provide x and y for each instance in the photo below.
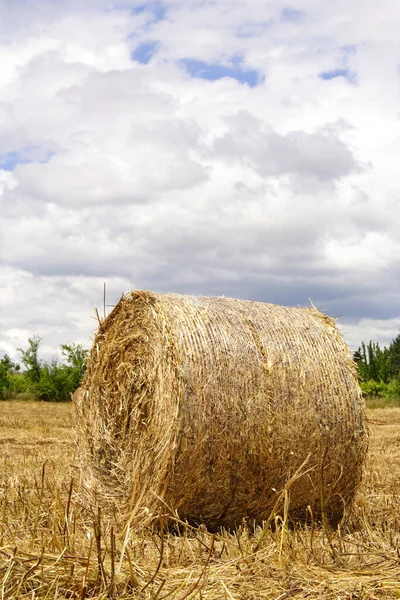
(207, 407)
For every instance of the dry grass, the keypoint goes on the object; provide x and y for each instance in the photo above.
(51, 548)
(210, 405)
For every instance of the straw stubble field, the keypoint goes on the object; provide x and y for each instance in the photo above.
(52, 547)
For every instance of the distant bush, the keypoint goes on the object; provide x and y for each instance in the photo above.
(373, 388)
(53, 380)
(59, 381)
(392, 389)
(20, 384)
(7, 370)
(379, 370)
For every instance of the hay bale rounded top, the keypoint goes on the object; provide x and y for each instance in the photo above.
(208, 406)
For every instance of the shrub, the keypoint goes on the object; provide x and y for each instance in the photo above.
(7, 370)
(373, 388)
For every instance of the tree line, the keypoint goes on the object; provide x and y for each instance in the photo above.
(53, 380)
(378, 369)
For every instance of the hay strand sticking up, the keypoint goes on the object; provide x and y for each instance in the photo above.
(208, 406)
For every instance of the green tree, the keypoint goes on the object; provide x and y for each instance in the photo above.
(394, 358)
(373, 362)
(76, 357)
(58, 381)
(7, 368)
(46, 380)
(31, 360)
(54, 382)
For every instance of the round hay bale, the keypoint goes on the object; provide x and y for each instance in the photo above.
(207, 407)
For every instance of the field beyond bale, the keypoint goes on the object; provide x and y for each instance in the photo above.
(51, 547)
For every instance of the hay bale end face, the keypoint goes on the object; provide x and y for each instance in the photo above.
(208, 406)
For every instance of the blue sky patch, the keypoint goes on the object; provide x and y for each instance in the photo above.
(213, 71)
(156, 9)
(291, 14)
(9, 160)
(145, 52)
(349, 75)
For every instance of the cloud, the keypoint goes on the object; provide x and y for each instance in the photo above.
(199, 148)
(58, 309)
(320, 155)
(384, 330)
(292, 15)
(155, 11)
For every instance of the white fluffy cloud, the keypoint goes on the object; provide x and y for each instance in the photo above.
(198, 147)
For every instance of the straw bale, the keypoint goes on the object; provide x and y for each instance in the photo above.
(206, 407)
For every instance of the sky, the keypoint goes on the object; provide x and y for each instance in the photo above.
(208, 147)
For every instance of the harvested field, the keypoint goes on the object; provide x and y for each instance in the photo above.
(51, 548)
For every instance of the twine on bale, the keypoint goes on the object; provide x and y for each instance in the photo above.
(209, 406)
